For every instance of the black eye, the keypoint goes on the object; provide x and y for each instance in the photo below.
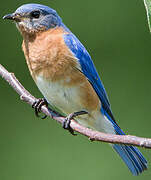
(35, 14)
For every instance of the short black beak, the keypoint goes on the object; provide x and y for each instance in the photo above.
(9, 16)
(14, 17)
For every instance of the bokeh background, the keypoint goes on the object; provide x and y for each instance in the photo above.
(117, 36)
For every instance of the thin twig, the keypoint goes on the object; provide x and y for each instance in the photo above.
(93, 135)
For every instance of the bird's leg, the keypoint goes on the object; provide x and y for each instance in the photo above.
(67, 120)
(37, 106)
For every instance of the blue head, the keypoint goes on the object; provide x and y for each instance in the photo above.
(33, 18)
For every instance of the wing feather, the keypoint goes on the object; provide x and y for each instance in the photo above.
(88, 69)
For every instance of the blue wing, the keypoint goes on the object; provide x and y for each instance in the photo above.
(130, 155)
(88, 69)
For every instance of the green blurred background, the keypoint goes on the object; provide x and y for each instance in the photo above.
(117, 36)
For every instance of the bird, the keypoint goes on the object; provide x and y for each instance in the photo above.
(65, 74)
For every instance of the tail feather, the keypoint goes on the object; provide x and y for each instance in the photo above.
(132, 158)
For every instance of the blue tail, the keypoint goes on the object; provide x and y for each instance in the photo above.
(132, 157)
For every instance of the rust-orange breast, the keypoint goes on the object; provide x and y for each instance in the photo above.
(48, 57)
(47, 54)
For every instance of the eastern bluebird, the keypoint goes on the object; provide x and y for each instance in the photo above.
(66, 76)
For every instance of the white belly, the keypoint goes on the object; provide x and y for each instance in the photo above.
(64, 98)
(67, 100)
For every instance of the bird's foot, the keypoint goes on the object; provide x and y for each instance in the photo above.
(67, 120)
(37, 106)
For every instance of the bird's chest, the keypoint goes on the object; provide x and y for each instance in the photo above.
(48, 55)
(58, 75)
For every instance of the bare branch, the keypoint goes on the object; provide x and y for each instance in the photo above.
(93, 135)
